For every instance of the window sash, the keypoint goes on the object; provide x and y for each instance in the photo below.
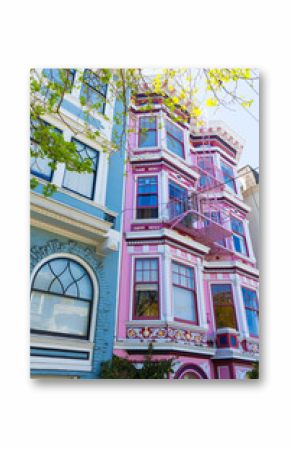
(147, 132)
(42, 170)
(60, 315)
(83, 183)
(252, 310)
(223, 304)
(146, 289)
(147, 197)
(184, 297)
(228, 175)
(94, 90)
(175, 139)
(178, 197)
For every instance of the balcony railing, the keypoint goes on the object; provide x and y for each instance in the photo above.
(182, 216)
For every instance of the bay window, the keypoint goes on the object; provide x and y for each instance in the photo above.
(61, 299)
(252, 311)
(174, 139)
(184, 297)
(147, 132)
(146, 289)
(239, 239)
(83, 183)
(223, 305)
(147, 197)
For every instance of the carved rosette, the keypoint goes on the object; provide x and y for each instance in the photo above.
(166, 334)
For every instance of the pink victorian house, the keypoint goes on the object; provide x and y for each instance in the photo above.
(188, 276)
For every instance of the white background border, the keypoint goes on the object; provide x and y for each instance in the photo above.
(74, 414)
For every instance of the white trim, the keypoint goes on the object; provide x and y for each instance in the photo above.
(159, 282)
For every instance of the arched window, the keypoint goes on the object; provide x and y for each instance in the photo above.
(61, 299)
(190, 371)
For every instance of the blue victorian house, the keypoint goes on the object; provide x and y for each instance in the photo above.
(75, 241)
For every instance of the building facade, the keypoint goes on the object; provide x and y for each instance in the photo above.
(75, 241)
(188, 280)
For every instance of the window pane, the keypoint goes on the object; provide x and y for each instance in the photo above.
(174, 131)
(40, 167)
(183, 304)
(147, 122)
(147, 184)
(147, 200)
(250, 298)
(223, 306)
(228, 176)
(237, 226)
(253, 322)
(239, 244)
(174, 145)
(148, 139)
(146, 300)
(147, 213)
(52, 313)
(65, 277)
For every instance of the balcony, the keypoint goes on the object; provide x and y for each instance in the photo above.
(183, 217)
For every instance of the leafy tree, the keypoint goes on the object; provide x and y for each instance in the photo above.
(119, 368)
(254, 373)
(185, 89)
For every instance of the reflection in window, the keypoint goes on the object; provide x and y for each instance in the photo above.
(94, 91)
(178, 199)
(61, 299)
(228, 175)
(147, 132)
(174, 139)
(83, 183)
(252, 310)
(239, 239)
(40, 166)
(183, 293)
(146, 301)
(147, 197)
(223, 306)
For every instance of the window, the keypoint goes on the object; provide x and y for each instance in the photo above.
(147, 132)
(178, 199)
(94, 90)
(61, 299)
(223, 306)
(174, 139)
(206, 164)
(83, 183)
(146, 290)
(147, 197)
(252, 311)
(228, 175)
(216, 217)
(39, 166)
(62, 77)
(184, 300)
(239, 239)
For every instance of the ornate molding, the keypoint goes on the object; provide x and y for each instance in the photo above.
(38, 253)
(165, 333)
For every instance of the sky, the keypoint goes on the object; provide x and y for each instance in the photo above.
(245, 125)
(237, 118)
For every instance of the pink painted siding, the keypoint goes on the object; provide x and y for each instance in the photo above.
(209, 261)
